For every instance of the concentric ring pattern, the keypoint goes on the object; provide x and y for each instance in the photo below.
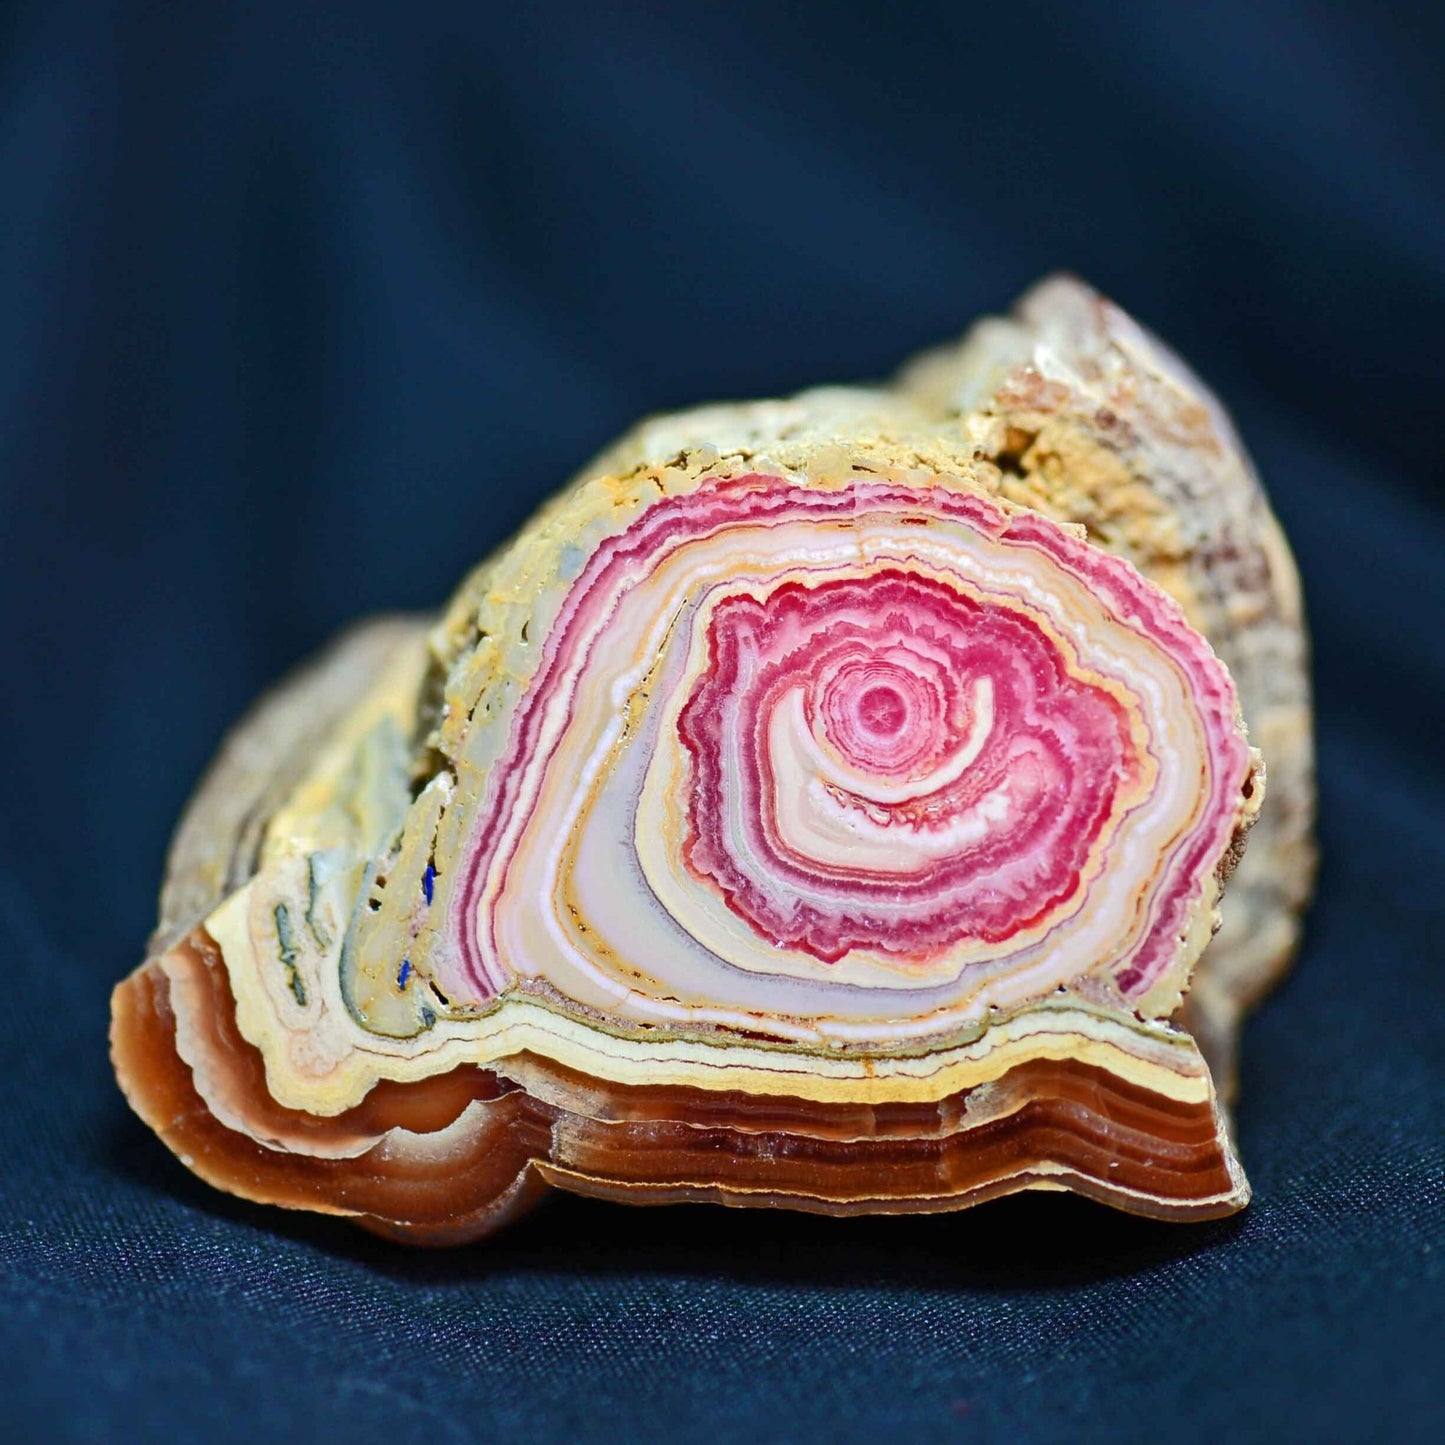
(863, 760)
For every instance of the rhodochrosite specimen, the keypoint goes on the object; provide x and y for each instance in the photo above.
(821, 803)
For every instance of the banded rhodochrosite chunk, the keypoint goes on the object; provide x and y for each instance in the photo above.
(806, 808)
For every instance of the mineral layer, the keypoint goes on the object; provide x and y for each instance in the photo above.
(823, 802)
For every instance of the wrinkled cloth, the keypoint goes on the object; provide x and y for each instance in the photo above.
(304, 308)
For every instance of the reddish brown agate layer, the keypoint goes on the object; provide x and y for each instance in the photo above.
(824, 803)
(451, 1158)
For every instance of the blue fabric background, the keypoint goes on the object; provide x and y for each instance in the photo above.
(303, 308)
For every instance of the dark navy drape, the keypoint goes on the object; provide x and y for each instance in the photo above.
(304, 307)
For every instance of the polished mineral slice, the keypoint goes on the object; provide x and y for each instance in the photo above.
(821, 803)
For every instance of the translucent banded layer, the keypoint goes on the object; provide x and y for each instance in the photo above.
(854, 763)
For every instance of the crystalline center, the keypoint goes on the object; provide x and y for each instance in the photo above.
(965, 816)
